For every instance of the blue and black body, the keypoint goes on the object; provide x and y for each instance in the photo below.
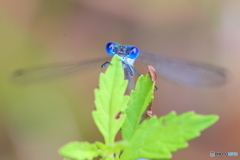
(127, 54)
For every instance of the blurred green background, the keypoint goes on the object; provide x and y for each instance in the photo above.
(36, 120)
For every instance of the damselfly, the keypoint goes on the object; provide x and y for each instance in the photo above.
(178, 70)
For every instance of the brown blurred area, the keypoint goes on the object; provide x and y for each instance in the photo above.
(36, 120)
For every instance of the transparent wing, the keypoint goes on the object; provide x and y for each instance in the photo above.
(56, 70)
(185, 72)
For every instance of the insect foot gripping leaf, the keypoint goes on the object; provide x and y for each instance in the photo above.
(156, 137)
(110, 101)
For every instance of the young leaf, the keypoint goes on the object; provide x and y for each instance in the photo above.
(110, 101)
(113, 149)
(79, 150)
(139, 101)
(156, 137)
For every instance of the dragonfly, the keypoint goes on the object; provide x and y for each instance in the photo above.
(176, 69)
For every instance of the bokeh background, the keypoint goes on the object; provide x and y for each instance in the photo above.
(36, 120)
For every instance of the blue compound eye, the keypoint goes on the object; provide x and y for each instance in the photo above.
(133, 53)
(110, 48)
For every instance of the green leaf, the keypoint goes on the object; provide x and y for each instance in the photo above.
(110, 101)
(113, 149)
(79, 150)
(156, 137)
(85, 150)
(139, 101)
